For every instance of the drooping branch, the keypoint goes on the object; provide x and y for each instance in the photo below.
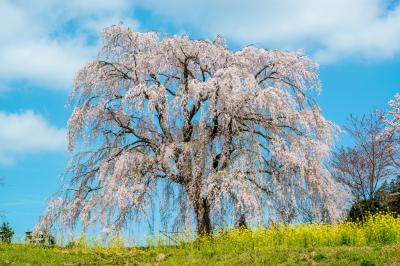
(226, 129)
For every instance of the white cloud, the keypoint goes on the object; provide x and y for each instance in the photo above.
(330, 30)
(48, 63)
(45, 42)
(27, 133)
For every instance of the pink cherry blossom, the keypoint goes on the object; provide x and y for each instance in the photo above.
(220, 132)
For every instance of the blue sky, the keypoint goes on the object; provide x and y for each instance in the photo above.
(43, 43)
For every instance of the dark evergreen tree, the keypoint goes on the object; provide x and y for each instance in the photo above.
(6, 233)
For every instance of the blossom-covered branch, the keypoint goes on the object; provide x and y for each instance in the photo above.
(227, 130)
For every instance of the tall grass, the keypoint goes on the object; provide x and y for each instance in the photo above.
(375, 241)
(378, 229)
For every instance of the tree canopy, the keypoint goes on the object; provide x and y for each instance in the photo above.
(222, 133)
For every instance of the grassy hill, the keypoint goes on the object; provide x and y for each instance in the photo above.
(18, 254)
(374, 242)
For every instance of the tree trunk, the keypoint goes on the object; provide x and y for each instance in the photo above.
(202, 210)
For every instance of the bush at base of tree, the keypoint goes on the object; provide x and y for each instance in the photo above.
(362, 209)
(394, 206)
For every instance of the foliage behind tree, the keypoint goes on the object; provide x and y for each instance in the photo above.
(370, 168)
(387, 199)
(364, 166)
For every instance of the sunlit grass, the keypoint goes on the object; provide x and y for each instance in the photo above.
(375, 241)
(378, 229)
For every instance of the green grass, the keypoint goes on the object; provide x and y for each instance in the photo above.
(374, 242)
(19, 254)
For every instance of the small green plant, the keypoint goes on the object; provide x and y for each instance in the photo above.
(367, 263)
(319, 257)
(6, 233)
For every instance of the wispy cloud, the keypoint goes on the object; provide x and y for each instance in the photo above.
(331, 30)
(45, 42)
(26, 133)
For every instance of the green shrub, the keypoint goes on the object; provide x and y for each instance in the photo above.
(6, 233)
(362, 209)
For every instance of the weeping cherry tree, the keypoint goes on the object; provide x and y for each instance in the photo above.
(222, 133)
